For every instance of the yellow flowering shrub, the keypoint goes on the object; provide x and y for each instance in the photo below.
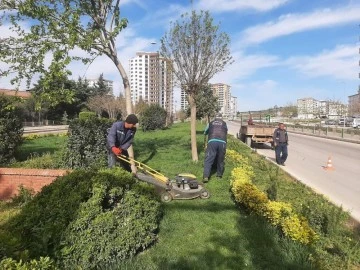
(240, 176)
(276, 212)
(250, 196)
(298, 229)
(32, 137)
(240, 161)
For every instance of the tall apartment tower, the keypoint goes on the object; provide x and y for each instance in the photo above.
(152, 80)
(222, 91)
(233, 107)
(183, 100)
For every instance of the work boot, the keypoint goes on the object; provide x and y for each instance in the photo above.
(205, 180)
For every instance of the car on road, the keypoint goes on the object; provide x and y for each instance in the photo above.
(356, 123)
(330, 122)
(348, 122)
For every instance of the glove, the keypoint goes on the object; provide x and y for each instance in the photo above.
(116, 150)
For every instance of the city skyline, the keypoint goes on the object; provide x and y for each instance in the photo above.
(282, 49)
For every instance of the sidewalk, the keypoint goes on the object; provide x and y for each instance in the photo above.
(45, 129)
(352, 138)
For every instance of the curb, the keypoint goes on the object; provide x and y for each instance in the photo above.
(326, 137)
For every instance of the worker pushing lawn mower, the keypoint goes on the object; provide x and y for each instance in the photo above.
(119, 140)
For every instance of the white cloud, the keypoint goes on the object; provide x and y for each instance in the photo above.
(339, 63)
(293, 23)
(235, 5)
(244, 66)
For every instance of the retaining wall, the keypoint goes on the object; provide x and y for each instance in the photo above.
(12, 178)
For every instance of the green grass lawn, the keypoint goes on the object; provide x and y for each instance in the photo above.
(216, 233)
(207, 233)
(40, 146)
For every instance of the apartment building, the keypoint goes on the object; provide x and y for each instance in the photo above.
(222, 92)
(233, 107)
(108, 83)
(307, 108)
(310, 108)
(183, 100)
(151, 79)
(354, 104)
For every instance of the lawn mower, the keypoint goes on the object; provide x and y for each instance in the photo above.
(183, 187)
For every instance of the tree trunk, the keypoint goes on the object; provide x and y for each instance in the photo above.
(192, 104)
(126, 83)
(129, 109)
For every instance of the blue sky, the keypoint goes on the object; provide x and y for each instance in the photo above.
(283, 49)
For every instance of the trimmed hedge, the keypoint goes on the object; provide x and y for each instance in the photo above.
(278, 213)
(86, 145)
(11, 128)
(87, 219)
(86, 115)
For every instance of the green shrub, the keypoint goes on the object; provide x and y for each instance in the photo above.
(87, 218)
(111, 226)
(10, 127)
(24, 196)
(325, 219)
(44, 161)
(43, 263)
(153, 117)
(86, 145)
(86, 115)
(39, 226)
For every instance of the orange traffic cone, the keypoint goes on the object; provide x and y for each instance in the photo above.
(329, 165)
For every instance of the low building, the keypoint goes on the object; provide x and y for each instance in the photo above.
(15, 93)
(354, 104)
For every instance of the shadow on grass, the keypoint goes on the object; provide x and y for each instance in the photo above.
(148, 147)
(270, 249)
(25, 153)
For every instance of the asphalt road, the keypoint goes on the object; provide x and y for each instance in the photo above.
(307, 158)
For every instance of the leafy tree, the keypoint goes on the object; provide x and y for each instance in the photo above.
(199, 51)
(49, 94)
(153, 117)
(206, 104)
(101, 87)
(10, 127)
(59, 27)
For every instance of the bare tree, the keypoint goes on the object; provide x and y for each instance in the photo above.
(106, 103)
(140, 106)
(198, 51)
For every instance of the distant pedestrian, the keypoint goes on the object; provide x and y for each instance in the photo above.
(216, 148)
(281, 142)
(119, 139)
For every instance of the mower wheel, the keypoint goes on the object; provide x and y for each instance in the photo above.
(205, 194)
(166, 197)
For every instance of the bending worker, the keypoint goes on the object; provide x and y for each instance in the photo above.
(119, 139)
(216, 148)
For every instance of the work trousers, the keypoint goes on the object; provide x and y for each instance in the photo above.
(113, 160)
(281, 153)
(214, 151)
